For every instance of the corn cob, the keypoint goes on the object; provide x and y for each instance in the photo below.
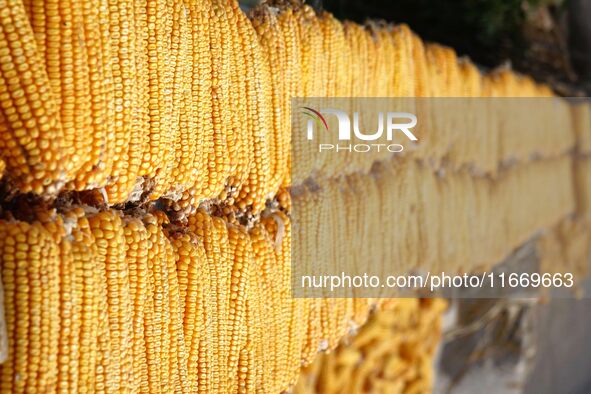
(313, 64)
(178, 354)
(257, 188)
(109, 236)
(75, 72)
(218, 165)
(279, 39)
(69, 301)
(158, 346)
(358, 41)
(253, 353)
(389, 354)
(288, 21)
(58, 27)
(196, 307)
(136, 250)
(421, 81)
(200, 103)
(30, 274)
(176, 40)
(185, 144)
(87, 279)
(278, 229)
(160, 74)
(151, 325)
(312, 59)
(97, 38)
(129, 83)
(331, 45)
(32, 140)
(240, 256)
(214, 235)
(276, 332)
(238, 137)
(105, 369)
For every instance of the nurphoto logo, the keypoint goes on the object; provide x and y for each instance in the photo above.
(348, 132)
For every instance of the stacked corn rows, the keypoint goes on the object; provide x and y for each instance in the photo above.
(392, 353)
(569, 242)
(101, 301)
(190, 99)
(405, 211)
(156, 96)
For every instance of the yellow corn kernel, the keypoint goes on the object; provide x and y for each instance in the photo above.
(312, 76)
(358, 42)
(279, 37)
(300, 313)
(264, 21)
(312, 56)
(140, 250)
(329, 49)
